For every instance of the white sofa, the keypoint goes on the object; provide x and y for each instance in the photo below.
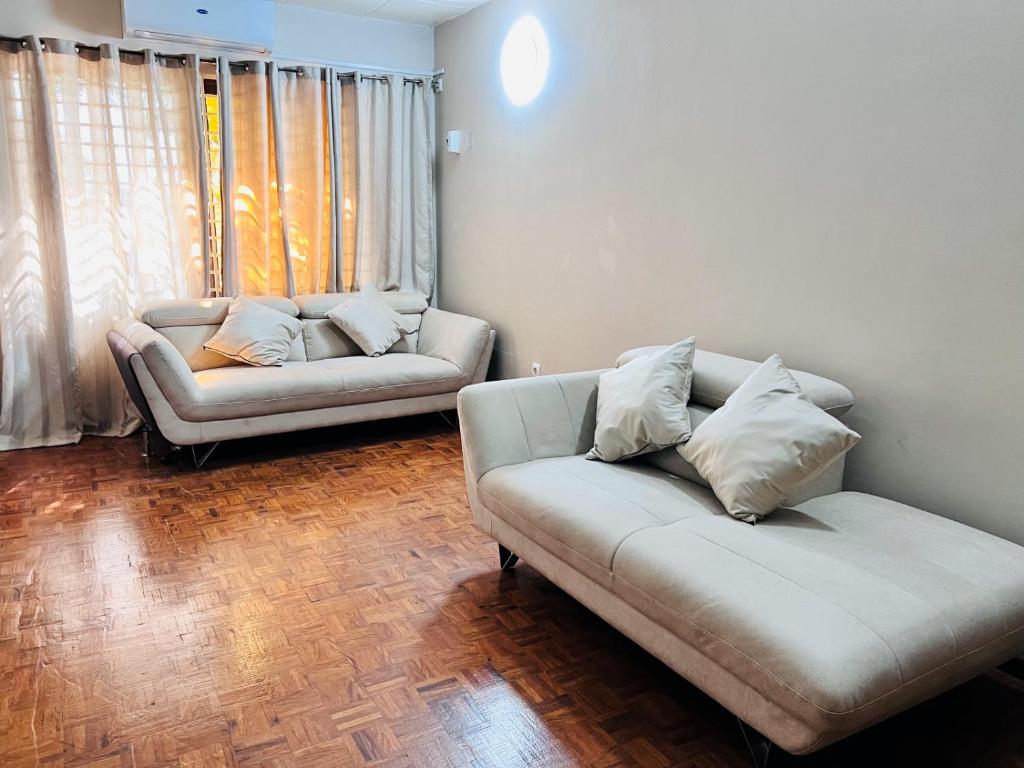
(192, 396)
(837, 611)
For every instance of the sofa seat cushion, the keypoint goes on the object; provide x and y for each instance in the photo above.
(583, 511)
(242, 392)
(840, 607)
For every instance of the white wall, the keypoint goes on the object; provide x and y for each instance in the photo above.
(839, 182)
(307, 32)
(301, 33)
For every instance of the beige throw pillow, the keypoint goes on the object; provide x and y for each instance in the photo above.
(369, 321)
(641, 407)
(764, 441)
(254, 334)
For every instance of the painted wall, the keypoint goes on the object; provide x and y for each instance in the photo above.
(839, 182)
(304, 34)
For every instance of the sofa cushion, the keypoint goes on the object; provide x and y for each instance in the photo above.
(190, 341)
(242, 391)
(583, 510)
(832, 605)
(323, 339)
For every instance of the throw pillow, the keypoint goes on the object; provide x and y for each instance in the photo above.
(369, 321)
(254, 334)
(641, 407)
(764, 441)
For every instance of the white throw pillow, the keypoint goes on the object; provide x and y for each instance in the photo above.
(369, 321)
(641, 407)
(764, 441)
(254, 334)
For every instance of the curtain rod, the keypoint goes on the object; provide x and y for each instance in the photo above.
(297, 69)
(417, 79)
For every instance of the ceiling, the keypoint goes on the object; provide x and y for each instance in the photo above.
(430, 12)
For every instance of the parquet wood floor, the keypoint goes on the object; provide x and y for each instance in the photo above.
(323, 599)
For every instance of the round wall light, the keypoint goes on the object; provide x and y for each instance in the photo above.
(525, 57)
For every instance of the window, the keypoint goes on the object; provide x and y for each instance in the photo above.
(211, 105)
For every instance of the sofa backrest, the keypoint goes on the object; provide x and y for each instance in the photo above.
(189, 323)
(716, 376)
(323, 339)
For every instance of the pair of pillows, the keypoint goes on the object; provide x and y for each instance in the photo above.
(766, 439)
(257, 335)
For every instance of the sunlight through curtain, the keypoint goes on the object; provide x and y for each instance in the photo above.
(102, 203)
(330, 183)
(108, 191)
(39, 396)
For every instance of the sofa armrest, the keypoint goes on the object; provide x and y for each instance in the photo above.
(162, 359)
(463, 341)
(519, 420)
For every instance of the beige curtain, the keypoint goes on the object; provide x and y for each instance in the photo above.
(395, 242)
(329, 183)
(276, 155)
(302, 149)
(343, 121)
(101, 210)
(253, 250)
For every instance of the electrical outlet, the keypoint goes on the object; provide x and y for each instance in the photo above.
(535, 369)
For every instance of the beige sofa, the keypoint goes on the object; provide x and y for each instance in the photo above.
(834, 613)
(192, 396)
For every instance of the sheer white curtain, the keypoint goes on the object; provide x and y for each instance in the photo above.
(101, 206)
(40, 401)
(328, 180)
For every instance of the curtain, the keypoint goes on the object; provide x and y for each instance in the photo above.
(102, 209)
(302, 151)
(343, 122)
(395, 233)
(105, 203)
(328, 180)
(40, 401)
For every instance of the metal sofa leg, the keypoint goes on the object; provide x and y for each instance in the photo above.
(507, 559)
(760, 747)
(156, 446)
(199, 457)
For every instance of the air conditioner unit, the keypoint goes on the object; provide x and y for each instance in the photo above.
(234, 25)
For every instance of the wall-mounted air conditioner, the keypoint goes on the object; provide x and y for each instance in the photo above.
(234, 25)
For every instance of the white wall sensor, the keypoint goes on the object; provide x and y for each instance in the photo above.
(454, 142)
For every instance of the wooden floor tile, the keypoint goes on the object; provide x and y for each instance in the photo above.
(323, 599)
